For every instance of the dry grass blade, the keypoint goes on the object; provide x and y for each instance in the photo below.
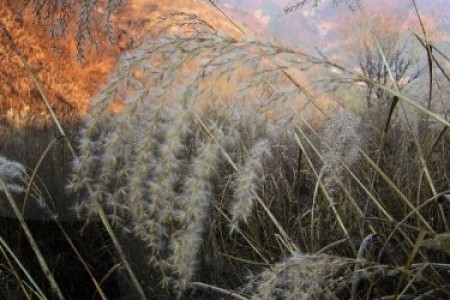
(402, 196)
(37, 291)
(426, 44)
(386, 128)
(429, 58)
(411, 257)
(35, 171)
(213, 2)
(407, 100)
(98, 288)
(33, 243)
(226, 293)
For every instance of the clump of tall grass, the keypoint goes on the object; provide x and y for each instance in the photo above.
(321, 276)
(157, 174)
(157, 163)
(172, 158)
(318, 276)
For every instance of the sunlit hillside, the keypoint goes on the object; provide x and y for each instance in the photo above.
(69, 83)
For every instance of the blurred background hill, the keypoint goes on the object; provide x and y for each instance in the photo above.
(320, 26)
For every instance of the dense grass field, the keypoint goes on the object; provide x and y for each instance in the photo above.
(207, 167)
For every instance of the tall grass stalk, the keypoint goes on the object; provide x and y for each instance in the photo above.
(32, 241)
(37, 290)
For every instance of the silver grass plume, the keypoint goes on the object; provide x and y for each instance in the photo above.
(249, 177)
(342, 136)
(315, 276)
(190, 212)
(155, 134)
(15, 177)
(13, 174)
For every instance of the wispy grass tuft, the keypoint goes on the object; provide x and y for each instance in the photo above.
(11, 172)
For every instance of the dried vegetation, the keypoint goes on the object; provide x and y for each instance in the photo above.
(202, 164)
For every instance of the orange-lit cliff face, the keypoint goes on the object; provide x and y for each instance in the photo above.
(68, 83)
